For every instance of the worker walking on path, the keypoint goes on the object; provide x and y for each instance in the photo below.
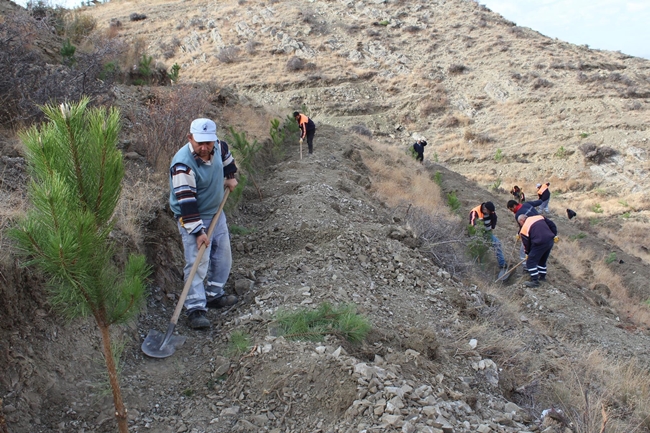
(538, 235)
(487, 213)
(307, 129)
(544, 194)
(198, 174)
(418, 147)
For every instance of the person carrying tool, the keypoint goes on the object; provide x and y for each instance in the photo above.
(538, 235)
(418, 147)
(307, 129)
(487, 213)
(544, 194)
(518, 194)
(529, 209)
(198, 174)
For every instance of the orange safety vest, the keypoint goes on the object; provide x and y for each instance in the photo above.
(528, 224)
(542, 188)
(302, 119)
(477, 209)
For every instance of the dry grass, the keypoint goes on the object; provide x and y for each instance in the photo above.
(135, 209)
(592, 390)
(14, 207)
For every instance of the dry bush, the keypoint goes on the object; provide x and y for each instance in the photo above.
(595, 154)
(168, 49)
(361, 130)
(412, 29)
(593, 391)
(541, 82)
(137, 17)
(78, 26)
(139, 201)
(455, 120)
(162, 128)
(575, 257)
(229, 54)
(295, 63)
(480, 138)
(457, 69)
(251, 46)
(437, 102)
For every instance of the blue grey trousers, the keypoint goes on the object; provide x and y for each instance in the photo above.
(214, 268)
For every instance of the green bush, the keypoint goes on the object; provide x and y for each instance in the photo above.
(611, 258)
(561, 153)
(580, 235)
(498, 157)
(144, 65)
(452, 201)
(174, 72)
(437, 178)
(479, 243)
(67, 53)
(239, 343)
(496, 185)
(314, 325)
(239, 230)
(597, 208)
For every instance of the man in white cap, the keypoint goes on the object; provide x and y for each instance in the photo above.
(199, 172)
(544, 194)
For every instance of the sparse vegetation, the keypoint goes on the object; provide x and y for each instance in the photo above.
(453, 202)
(295, 63)
(498, 156)
(313, 325)
(238, 343)
(457, 69)
(437, 178)
(597, 208)
(229, 54)
(561, 153)
(611, 258)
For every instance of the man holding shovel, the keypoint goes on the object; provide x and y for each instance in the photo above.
(199, 172)
(307, 130)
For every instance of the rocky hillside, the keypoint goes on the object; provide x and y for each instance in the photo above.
(449, 351)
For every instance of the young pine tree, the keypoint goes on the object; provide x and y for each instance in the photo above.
(76, 172)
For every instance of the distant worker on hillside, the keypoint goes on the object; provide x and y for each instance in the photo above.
(418, 147)
(199, 172)
(544, 194)
(518, 194)
(487, 213)
(538, 235)
(528, 209)
(307, 129)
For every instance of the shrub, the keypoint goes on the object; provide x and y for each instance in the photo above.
(229, 54)
(611, 258)
(361, 130)
(67, 53)
(162, 128)
(498, 157)
(295, 63)
(384, 23)
(541, 82)
(314, 325)
(597, 208)
(174, 72)
(437, 178)
(479, 243)
(457, 69)
(452, 201)
(137, 17)
(595, 154)
(79, 26)
(561, 153)
(496, 186)
(239, 343)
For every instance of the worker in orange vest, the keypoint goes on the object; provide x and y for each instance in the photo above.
(307, 129)
(486, 212)
(538, 235)
(544, 194)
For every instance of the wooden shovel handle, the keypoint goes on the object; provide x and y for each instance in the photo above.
(199, 256)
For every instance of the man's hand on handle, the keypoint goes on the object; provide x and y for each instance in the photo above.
(231, 184)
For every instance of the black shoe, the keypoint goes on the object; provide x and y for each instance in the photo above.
(222, 301)
(532, 283)
(198, 320)
(542, 279)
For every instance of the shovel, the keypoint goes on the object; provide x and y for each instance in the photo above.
(301, 148)
(508, 272)
(159, 345)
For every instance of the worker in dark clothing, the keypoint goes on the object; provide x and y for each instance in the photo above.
(518, 194)
(307, 129)
(538, 235)
(528, 209)
(486, 212)
(544, 194)
(418, 147)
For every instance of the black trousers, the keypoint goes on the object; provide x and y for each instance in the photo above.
(420, 156)
(536, 262)
(310, 139)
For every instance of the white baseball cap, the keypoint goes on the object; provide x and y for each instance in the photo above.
(539, 185)
(203, 130)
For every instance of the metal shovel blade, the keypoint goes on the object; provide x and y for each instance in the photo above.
(503, 276)
(159, 345)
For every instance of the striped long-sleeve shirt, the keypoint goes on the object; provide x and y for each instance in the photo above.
(197, 186)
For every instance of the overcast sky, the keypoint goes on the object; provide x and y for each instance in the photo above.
(616, 25)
